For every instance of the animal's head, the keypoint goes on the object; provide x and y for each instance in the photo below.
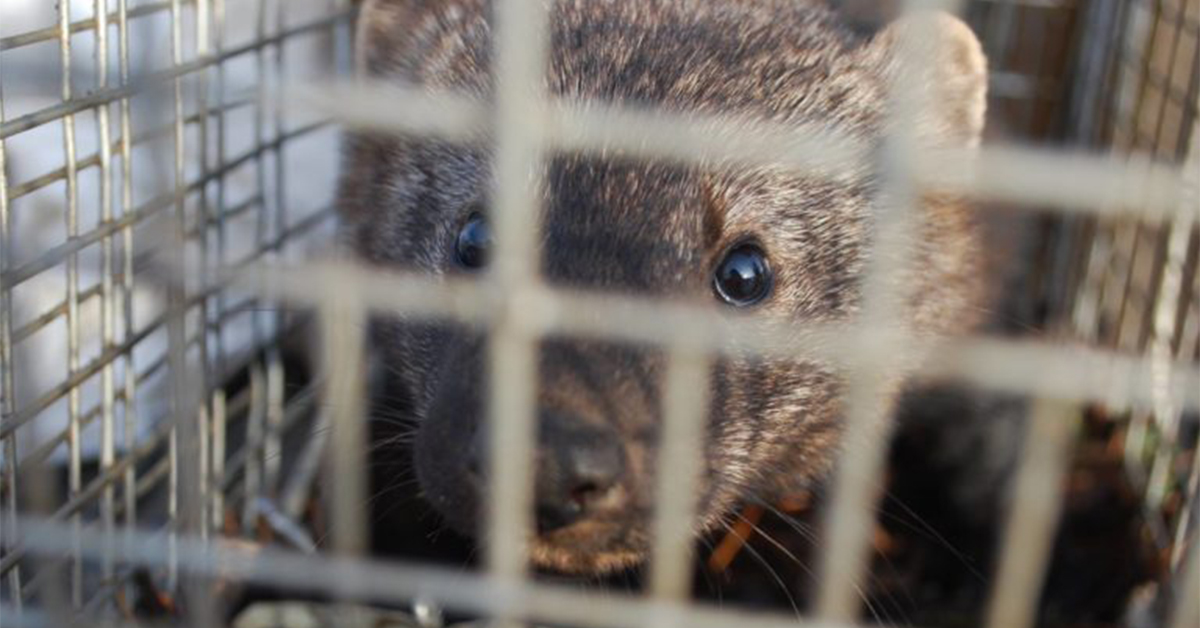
(767, 243)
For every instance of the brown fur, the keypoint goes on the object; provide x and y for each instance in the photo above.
(658, 229)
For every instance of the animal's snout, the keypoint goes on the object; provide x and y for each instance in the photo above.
(596, 419)
(580, 470)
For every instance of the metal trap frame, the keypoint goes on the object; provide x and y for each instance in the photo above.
(157, 441)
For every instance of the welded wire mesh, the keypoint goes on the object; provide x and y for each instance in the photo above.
(148, 390)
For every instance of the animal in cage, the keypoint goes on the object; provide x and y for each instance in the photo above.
(159, 425)
(766, 243)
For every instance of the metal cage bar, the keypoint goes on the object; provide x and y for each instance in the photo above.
(190, 444)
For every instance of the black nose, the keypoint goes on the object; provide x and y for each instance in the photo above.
(579, 472)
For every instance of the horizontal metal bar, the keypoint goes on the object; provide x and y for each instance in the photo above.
(1035, 4)
(401, 582)
(46, 449)
(310, 222)
(91, 492)
(100, 97)
(1106, 185)
(588, 126)
(32, 185)
(58, 174)
(300, 403)
(57, 254)
(300, 227)
(44, 319)
(49, 567)
(1036, 368)
(51, 33)
(35, 585)
(147, 481)
(214, 219)
(24, 415)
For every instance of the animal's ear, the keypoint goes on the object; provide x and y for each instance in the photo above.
(949, 77)
(385, 28)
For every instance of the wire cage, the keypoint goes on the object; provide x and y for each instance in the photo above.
(166, 171)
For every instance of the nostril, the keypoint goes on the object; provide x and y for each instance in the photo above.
(551, 516)
(578, 485)
(586, 493)
(562, 506)
(580, 470)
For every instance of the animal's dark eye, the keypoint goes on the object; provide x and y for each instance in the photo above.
(743, 277)
(473, 242)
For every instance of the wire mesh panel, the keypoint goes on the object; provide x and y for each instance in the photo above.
(156, 128)
(170, 442)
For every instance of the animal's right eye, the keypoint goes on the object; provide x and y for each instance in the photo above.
(473, 243)
(744, 276)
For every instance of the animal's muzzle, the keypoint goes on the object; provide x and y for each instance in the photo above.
(581, 472)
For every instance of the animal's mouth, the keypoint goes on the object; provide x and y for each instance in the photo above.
(591, 547)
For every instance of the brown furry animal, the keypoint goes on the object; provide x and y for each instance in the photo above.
(770, 242)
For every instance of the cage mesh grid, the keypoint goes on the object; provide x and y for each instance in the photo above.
(189, 450)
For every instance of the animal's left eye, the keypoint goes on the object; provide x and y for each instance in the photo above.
(744, 276)
(473, 243)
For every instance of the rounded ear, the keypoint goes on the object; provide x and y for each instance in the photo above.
(367, 33)
(385, 28)
(939, 57)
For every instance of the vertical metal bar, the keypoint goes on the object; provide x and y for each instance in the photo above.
(279, 119)
(679, 468)
(256, 426)
(343, 321)
(173, 519)
(255, 420)
(1162, 357)
(1165, 318)
(870, 380)
(519, 58)
(189, 433)
(273, 441)
(203, 373)
(1183, 525)
(127, 282)
(217, 465)
(177, 314)
(1036, 505)
(219, 416)
(8, 387)
(850, 518)
(74, 472)
(107, 295)
(272, 446)
(1187, 606)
